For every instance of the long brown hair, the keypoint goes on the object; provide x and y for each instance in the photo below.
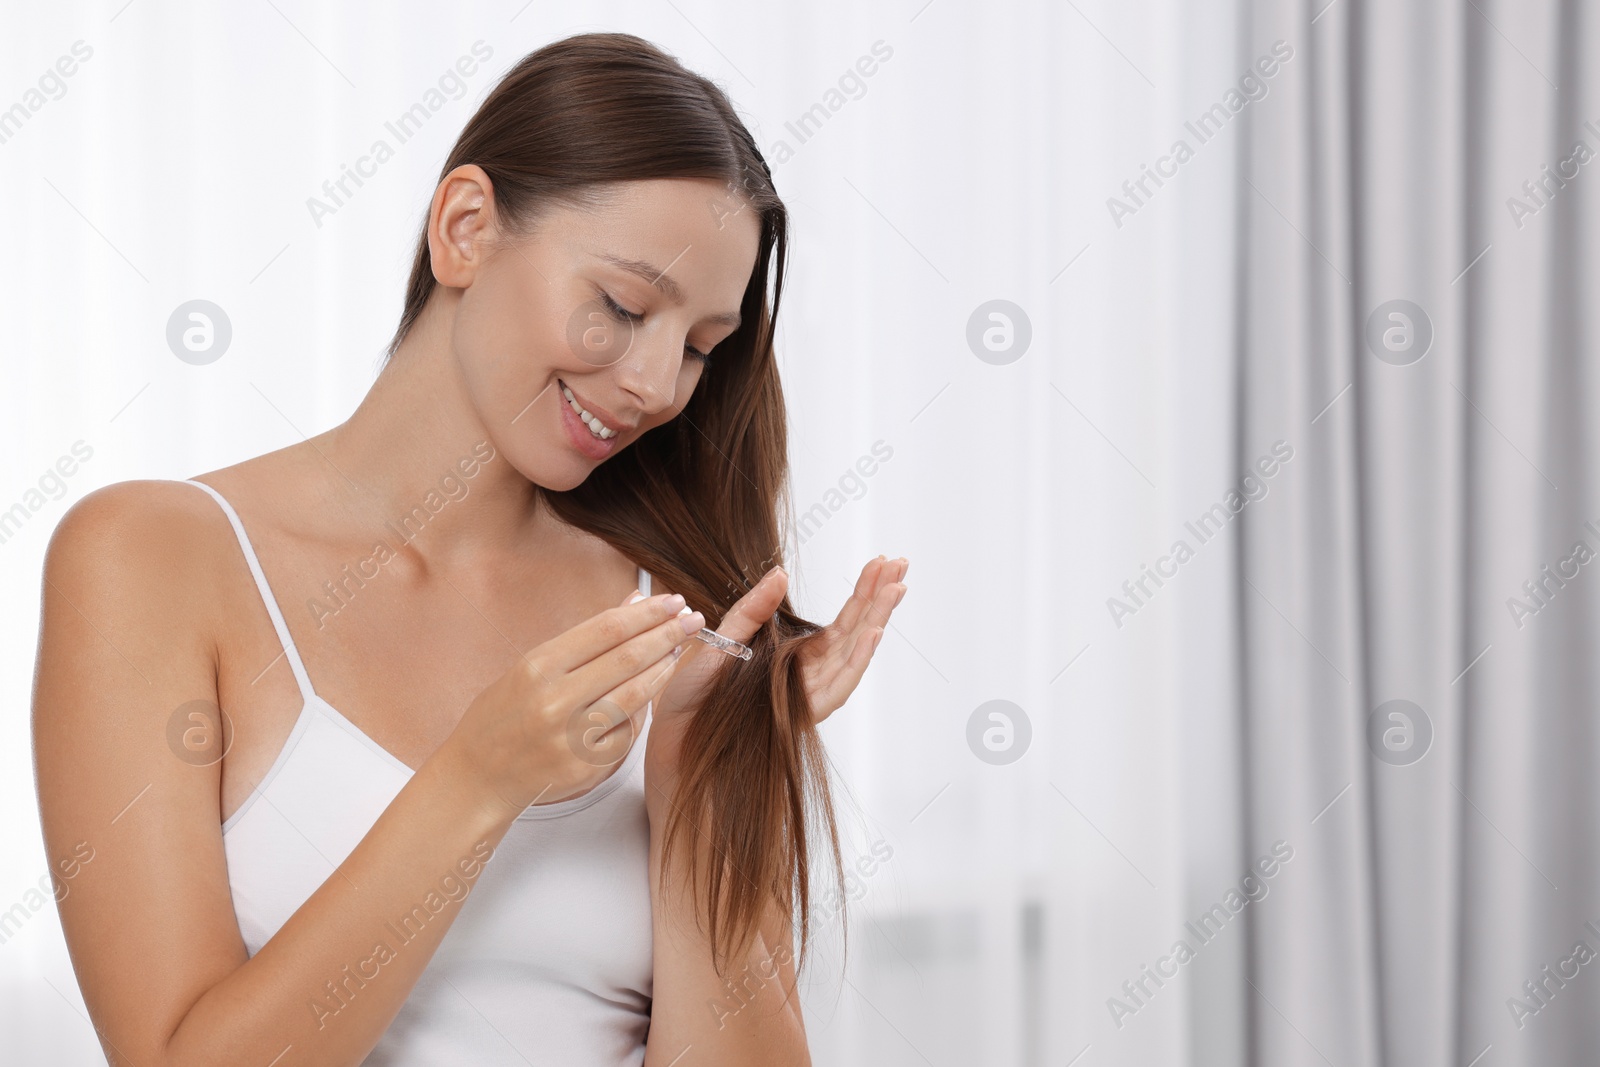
(696, 500)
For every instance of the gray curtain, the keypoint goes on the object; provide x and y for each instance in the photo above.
(1416, 642)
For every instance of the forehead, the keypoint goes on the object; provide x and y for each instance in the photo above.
(701, 235)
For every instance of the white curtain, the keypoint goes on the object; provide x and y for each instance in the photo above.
(1427, 179)
(1220, 367)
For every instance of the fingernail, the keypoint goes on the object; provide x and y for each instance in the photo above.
(636, 597)
(673, 602)
(692, 622)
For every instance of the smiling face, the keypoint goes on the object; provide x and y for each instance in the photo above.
(611, 306)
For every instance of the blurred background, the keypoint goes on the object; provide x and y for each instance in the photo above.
(1219, 365)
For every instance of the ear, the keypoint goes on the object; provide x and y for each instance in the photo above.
(460, 225)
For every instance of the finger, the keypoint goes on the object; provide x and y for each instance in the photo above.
(610, 669)
(842, 684)
(891, 586)
(685, 656)
(691, 650)
(861, 597)
(634, 695)
(877, 610)
(645, 687)
(605, 631)
(884, 603)
(755, 607)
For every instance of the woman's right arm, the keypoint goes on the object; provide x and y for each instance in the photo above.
(149, 921)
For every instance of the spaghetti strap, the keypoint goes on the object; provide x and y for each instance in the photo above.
(644, 581)
(278, 624)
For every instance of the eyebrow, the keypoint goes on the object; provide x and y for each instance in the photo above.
(672, 290)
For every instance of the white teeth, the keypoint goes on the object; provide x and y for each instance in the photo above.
(596, 427)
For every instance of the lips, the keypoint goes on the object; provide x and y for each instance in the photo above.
(590, 446)
(607, 419)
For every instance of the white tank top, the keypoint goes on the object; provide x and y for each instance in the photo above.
(549, 959)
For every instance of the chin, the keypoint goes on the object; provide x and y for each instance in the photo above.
(556, 481)
(556, 477)
(562, 485)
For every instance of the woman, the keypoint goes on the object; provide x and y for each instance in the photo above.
(475, 723)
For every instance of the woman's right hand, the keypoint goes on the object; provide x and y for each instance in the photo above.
(559, 721)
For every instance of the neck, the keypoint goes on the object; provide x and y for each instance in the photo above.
(406, 449)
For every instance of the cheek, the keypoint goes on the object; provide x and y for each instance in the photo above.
(478, 335)
(689, 377)
(503, 342)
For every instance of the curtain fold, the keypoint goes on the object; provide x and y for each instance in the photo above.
(1418, 721)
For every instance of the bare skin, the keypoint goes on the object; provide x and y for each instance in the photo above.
(465, 657)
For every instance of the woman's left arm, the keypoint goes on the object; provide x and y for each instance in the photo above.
(753, 1014)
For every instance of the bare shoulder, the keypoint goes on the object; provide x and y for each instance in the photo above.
(129, 587)
(135, 532)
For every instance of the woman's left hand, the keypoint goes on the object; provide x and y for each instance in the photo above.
(831, 665)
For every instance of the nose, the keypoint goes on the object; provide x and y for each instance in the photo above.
(649, 372)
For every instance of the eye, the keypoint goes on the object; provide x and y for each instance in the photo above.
(617, 310)
(636, 317)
